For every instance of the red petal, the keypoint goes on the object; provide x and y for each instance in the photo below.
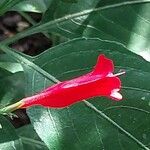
(104, 66)
(109, 87)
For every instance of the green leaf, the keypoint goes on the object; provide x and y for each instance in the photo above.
(12, 87)
(8, 139)
(102, 123)
(11, 67)
(4, 73)
(107, 20)
(30, 138)
(9, 64)
(6, 5)
(70, 1)
(11, 80)
(10, 74)
(33, 6)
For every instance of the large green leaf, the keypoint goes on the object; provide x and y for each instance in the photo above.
(11, 88)
(30, 138)
(8, 139)
(124, 21)
(9, 64)
(6, 5)
(125, 24)
(32, 6)
(11, 74)
(102, 123)
(4, 73)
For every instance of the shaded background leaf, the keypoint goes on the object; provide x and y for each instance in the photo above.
(9, 139)
(126, 24)
(30, 138)
(123, 21)
(32, 6)
(14, 90)
(11, 80)
(6, 5)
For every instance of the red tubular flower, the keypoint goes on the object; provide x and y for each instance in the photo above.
(99, 82)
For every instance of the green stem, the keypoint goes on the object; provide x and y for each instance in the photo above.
(30, 20)
(27, 17)
(30, 141)
(11, 108)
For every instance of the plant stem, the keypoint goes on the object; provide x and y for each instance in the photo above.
(32, 21)
(11, 108)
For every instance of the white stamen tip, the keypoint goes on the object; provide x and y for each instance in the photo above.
(119, 74)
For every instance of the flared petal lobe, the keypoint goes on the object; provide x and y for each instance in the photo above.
(99, 82)
(104, 66)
